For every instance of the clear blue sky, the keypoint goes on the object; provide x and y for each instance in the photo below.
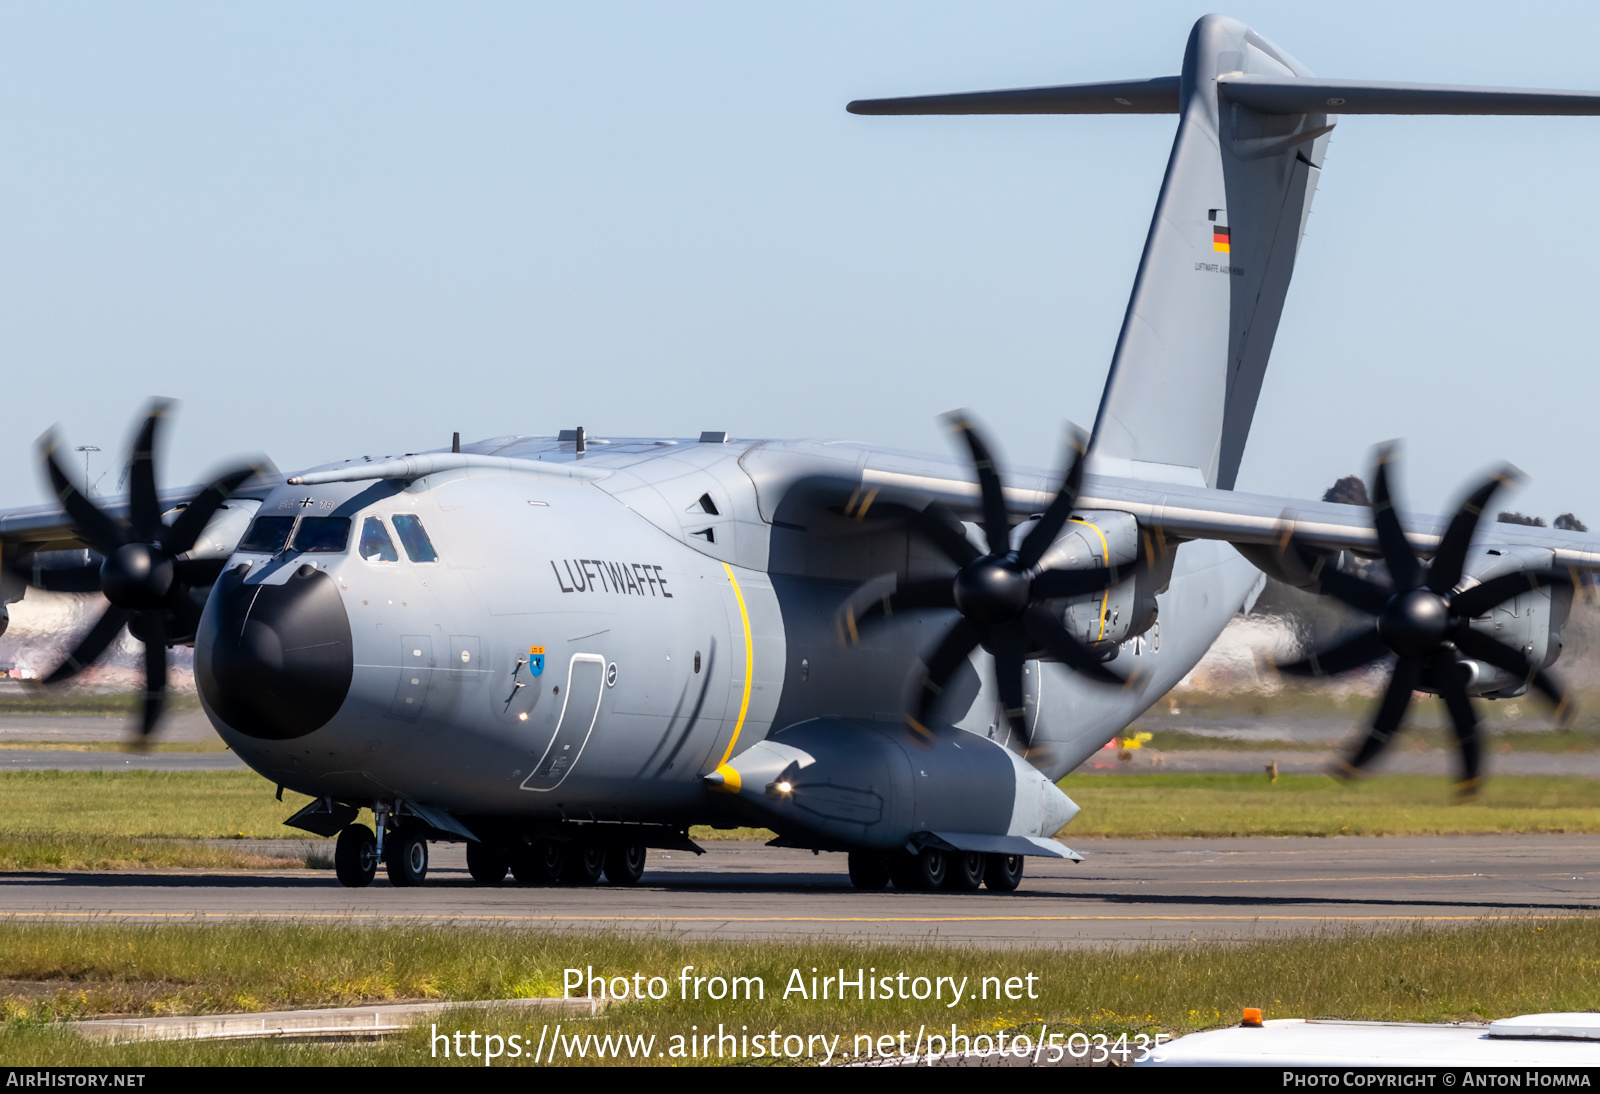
(337, 229)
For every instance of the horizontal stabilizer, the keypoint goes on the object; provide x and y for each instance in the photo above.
(1157, 96)
(1299, 95)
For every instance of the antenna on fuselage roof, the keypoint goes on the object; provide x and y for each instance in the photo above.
(1253, 127)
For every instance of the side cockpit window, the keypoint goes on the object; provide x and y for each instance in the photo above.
(267, 535)
(376, 546)
(414, 538)
(322, 535)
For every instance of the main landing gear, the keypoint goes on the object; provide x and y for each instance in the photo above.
(955, 871)
(404, 855)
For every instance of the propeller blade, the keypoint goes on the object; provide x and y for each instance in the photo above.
(1407, 675)
(1494, 652)
(1463, 719)
(937, 524)
(1404, 569)
(871, 604)
(1358, 592)
(144, 510)
(1363, 649)
(193, 520)
(1497, 590)
(154, 628)
(1448, 560)
(1038, 541)
(198, 572)
(1049, 635)
(959, 641)
(1010, 648)
(94, 527)
(78, 579)
(1058, 584)
(996, 524)
(91, 645)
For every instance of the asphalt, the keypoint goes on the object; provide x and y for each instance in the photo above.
(1125, 892)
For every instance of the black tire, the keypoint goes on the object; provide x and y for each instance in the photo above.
(486, 864)
(869, 870)
(584, 864)
(406, 858)
(355, 856)
(920, 872)
(1003, 873)
(964, 870)
(625, 865)
(540, 864)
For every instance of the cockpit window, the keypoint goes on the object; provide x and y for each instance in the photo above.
(414, 538)
(267, 535)
(375, 542)
(322, 535)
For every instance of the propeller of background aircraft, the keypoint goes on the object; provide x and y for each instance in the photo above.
(1425, 621)
(1001, 594)
(148, 585)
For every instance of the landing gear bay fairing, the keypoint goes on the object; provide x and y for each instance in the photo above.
(566, 650)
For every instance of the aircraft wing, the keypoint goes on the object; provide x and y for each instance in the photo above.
(1196, 512)
(48, 528)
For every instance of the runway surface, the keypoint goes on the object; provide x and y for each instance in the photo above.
(1125, 892)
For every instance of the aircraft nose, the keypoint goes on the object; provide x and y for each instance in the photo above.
(275, 661)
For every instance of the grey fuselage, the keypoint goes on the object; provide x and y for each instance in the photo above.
(683, 598)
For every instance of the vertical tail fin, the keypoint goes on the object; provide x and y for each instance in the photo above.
(1211, 284)
(1252, 129)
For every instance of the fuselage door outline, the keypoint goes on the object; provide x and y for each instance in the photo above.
(554, 766)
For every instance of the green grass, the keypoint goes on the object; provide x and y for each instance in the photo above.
(1212, 806)
(58, 851)
(120, 819)
(113, 746)
(29, 700)
(1296, 701)
(170, 804)
(1483, 971)
(1415, 740)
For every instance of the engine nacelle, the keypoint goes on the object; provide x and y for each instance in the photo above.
(1530, 622)
(1098, 538)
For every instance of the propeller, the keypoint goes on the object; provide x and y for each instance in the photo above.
(1424, 620)
(148, 585)
(1000, 593)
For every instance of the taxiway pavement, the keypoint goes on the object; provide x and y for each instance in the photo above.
(1124, 892)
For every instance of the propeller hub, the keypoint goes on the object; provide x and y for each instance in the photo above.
(136, 575)
(1413, 624)
(992, 590)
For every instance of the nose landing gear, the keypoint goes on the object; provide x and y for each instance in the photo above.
(355, 856)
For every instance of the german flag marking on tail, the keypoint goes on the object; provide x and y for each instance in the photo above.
(1219, 239)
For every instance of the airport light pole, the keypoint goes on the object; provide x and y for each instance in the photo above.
(88, 486)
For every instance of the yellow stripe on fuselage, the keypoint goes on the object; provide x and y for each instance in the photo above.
(749, 665)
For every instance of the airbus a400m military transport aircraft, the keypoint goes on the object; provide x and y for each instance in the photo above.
(564, 650)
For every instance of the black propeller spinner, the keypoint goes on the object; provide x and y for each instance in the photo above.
(1426, 623)
(147, 584)
(1000, 594)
